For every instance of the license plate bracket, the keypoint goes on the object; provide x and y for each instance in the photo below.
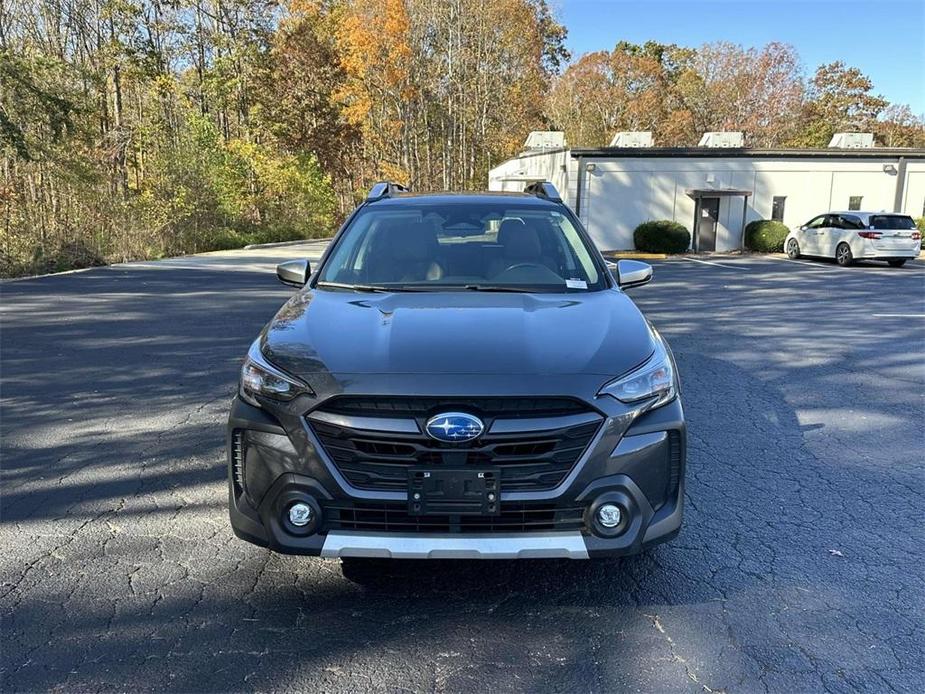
(454, 491)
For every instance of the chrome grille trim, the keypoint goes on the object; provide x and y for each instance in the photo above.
(538, 424)
(391, 424)
(376, 453)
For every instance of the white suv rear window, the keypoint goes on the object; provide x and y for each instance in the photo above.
(891, 221)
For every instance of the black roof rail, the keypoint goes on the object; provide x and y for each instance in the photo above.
(385, 189)
(544, 189)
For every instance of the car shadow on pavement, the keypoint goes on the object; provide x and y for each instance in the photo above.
(177, 602)
(793, 571)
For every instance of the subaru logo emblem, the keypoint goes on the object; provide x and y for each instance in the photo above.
(454, 426)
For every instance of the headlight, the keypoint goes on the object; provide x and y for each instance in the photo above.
(653, 380)
(260, 377)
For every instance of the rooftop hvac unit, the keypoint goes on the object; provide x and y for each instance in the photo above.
(632, 138)
(545, 139)
(722, 139)
(852, 140)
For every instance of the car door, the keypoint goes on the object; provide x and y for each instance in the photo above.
(828, 236)
(808, 235)
(847, 231)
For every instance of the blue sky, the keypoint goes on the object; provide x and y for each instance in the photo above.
(886, 40)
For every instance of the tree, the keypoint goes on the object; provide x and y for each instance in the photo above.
(441, 90)
(553, 36)
(129, 128)
(33, 112)
(138, 128)
(899, 127)
(756, 91)
(632, 87)
(839, 100)
(298, 105)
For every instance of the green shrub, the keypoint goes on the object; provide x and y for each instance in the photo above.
(920, 223)
(661, 236)
(765, 236)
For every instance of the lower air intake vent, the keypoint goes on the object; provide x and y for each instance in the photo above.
(394, 517)
(674, 462)
(237, 461)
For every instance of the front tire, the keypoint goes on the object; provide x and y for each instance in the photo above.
(793, 249)
(897, 263)
(843, 255)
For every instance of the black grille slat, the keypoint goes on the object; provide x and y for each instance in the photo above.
(530, 460)
(486, 407)
(394, 517)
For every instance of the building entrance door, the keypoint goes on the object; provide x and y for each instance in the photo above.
(709, 220)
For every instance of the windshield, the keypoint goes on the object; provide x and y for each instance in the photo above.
(891, 221)
(493, 246)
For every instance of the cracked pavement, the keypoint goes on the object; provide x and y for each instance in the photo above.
(799, 567)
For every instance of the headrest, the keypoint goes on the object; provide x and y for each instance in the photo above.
(520, 241)
(410, 241)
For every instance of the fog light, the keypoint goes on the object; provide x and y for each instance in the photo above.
(300, 515)
(609, 515)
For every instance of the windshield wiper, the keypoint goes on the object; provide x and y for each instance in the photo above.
(356, 287)
(498, 288)
(517, 289)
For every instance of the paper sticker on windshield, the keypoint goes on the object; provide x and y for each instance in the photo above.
(576, 284)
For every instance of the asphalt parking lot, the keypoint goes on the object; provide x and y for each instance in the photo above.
(799, 568)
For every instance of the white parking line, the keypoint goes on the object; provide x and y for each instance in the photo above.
(710, 262)
(807, 263)
(898, 315)
(880, 270)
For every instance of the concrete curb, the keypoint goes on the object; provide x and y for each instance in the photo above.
(250, 247)
(629, 255)
(10, 280)
(282, 244)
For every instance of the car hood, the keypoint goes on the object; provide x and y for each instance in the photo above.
(343, 332)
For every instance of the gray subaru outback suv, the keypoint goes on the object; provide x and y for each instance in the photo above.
(462, 376)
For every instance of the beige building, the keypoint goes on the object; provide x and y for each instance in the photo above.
(613, 189)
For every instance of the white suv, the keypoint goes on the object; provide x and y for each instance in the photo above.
(850, 236)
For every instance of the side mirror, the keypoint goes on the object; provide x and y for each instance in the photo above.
(632, 273)
(293, 272)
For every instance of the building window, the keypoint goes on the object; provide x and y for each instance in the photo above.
(777, 208)
(854, 202)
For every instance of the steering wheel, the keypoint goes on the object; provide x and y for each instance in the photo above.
(517, 266)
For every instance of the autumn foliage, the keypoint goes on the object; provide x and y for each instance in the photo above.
(143, 128)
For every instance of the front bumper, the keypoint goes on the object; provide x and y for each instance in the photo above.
(637, 462)
(564, 545)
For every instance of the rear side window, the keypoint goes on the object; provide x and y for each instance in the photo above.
(891, 221)
(849, 221)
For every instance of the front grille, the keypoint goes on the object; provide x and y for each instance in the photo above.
(421, 407)
(533, 460)
(394, 517)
